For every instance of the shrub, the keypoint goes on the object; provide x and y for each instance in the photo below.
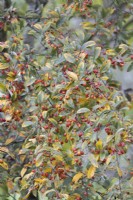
(65, 131)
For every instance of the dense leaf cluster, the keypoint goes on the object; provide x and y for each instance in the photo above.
(66, 131)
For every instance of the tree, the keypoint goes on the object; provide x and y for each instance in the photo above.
(66, 130)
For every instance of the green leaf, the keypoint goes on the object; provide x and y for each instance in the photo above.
(53, 121)
(27, 123)
(99, 188)
(88, 44)
(83, 110)
(130, 68)
(92, 159)
(30, 81)
(2, 87)
(69, 57)
(97, 52)
(40, 97)
(44, 114)
(80, 34)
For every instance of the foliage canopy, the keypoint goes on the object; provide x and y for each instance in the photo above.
(65, 129)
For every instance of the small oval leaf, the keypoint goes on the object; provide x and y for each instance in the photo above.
(72, 75)
(77, 177)
(69, 57)
(83, 110)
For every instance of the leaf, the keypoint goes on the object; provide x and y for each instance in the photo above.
(91, 172)
(77, 177)
(39, 180)
(27, 176)
(9, 140)
(30, 81)
(10, 185)
(99, 144)
(27, 123)
(2, 87)
(80, 34)
(3, 66)
(119, 171)
(3, 45)
(104, 78)
(88, 44)
(93, 160)
(53, 121)
(83, 110)
(110, 52)
(38, 26)
(48, 170)
(59, 157)
(109, 158)
(97, 52)
(48, 191)
(130, 68)
(99, 188)
(4, 149)
(23, 171)
(123, 48)
(42, 196)
(44, 114)
(72, 75)
(69, 57)
(4, 165)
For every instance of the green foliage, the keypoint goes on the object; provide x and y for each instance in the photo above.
(65, 131)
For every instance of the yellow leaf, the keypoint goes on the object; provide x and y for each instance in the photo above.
(119, 171)
(47, 170)
(59, 158)
(9, 140)
(39, 180)
(38, 26)
(3, 66)
(107, 107)
(4, 165)
(99, 144)
(27, 176)
(104, 78)
(23, 171)
(91, 172)
(77, 177)
(72, 75)
(110, 52)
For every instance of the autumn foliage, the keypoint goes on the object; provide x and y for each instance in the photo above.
(65, 128)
